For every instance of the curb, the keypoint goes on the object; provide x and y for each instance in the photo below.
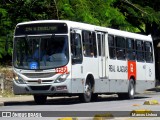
(4, 100)
(1, 103)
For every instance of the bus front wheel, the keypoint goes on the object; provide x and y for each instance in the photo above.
(40, 99)
(86, 96)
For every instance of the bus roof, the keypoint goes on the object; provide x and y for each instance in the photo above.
(79, 25)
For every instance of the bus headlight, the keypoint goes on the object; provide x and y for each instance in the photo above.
(18, 79)
(61, 78)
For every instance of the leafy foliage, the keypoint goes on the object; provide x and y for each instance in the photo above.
(135, 16)
(141, 14)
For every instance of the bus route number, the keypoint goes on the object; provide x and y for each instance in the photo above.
(62, 70)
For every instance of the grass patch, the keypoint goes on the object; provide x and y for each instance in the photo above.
(6, 77)
(7, 93)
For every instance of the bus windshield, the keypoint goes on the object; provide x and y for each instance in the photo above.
(40, 52)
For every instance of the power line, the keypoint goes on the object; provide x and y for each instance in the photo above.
(135, 6)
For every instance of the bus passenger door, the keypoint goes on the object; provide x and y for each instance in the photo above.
(101, 50)
(77, 59)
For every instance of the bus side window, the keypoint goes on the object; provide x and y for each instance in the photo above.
(76, 48)
(88, 43)
(148, 52)
(130, 51)
(99, 44)
(112, 50)
(94, 44)
(139, 50)
(120, 48)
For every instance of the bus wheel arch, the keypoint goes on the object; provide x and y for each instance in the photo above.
(133, 78)
(90, 79)
(88, 89)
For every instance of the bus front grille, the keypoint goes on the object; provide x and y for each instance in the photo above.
(37, 82)
(39, 75)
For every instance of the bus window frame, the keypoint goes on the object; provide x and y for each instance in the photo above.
(130, 51)
(112, 47)
(76, 59)
(121, 50)
(149, 52)
(89, 43)
(140, 51)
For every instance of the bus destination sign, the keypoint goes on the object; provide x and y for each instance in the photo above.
(41, 28)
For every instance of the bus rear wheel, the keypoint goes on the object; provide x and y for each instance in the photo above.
(131, 91)
(87, 95)
(40, 99)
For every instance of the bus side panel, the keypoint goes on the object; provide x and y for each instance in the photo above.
(145, 76)
(77, 81)
(150, 72)
(118, 86)
(91, 67)
(141, 71)
(101, 85)
(141, 86)
(81, 71)
(118, 76)
(132, 70)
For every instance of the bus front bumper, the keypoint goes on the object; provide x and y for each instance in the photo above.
(49, 89)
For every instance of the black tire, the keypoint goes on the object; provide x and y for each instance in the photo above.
(122, 96)
(40, 99)
(87, 95)
(131, 91)
(94, 97)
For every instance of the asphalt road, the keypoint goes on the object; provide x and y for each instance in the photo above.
(62, 107)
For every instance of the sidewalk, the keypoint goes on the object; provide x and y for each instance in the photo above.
(22, 98)
(17, 98)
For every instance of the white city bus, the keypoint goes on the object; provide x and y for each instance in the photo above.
(59, 58)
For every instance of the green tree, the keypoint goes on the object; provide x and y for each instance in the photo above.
(99, 12)
(143, 15)
(135, 16)
(5, 31)
(15, 11)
